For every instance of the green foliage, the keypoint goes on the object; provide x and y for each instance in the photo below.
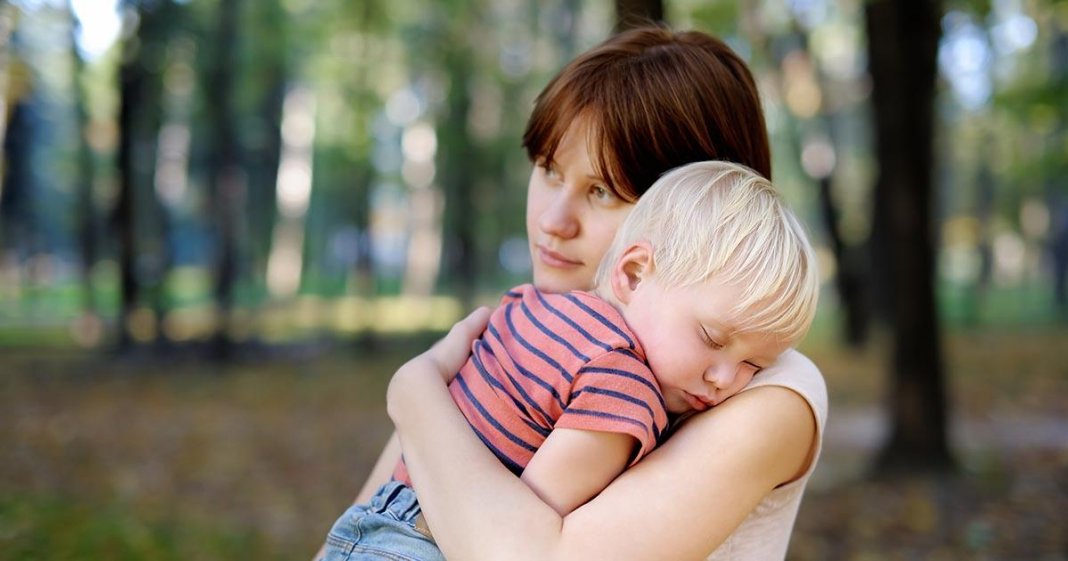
(1036, 106)
(492, 58)
(718, 17)
(979, 8)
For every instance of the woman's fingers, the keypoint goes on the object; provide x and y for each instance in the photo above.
(450, 353)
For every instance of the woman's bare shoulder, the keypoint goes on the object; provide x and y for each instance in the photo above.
(794, 363)
(792, 387)
(772, 428)
(797, 374)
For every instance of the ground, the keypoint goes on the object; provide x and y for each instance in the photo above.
(160, 458)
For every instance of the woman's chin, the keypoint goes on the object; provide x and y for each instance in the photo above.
(560, 281)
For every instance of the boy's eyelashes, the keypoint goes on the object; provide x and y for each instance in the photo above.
(710, 340)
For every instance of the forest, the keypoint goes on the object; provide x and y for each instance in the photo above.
(224, 224)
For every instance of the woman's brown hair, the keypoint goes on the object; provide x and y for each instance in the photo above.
(654, 100)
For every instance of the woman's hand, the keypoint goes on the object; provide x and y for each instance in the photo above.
(450, 353)
(438, 364)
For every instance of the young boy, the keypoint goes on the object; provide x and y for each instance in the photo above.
(707, 281)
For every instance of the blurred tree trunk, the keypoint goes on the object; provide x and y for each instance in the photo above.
(456, 157)
(984, 215)
(84, 178)
(17, 131)
(566, 34)
(227, 179)
(819, 132)
(1058, 208)
(1056, 189)
(849, 277)
(362, 277)
(265, 155)
(635, 13)
(902, 46)
(142, 251)
(17, 217)
(132, 85)
(8, 15)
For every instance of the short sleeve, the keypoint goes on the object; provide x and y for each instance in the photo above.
(616, 392)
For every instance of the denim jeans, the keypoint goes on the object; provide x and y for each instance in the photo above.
(383, 529)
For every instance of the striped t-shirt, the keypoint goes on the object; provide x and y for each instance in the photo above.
(550, 361)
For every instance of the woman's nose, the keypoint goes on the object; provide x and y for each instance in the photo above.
(560, 218)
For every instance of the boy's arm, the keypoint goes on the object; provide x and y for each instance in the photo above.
(614, 414)
(573, 466)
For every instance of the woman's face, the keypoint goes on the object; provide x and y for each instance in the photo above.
(572, 215)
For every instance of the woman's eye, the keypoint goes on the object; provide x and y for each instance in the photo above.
(551, 171)
(601, 193)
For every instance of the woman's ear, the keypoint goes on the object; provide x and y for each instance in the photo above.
(634, 265)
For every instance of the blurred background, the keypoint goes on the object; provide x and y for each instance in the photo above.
(223, 224)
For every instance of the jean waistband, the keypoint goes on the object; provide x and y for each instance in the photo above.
(397, 498)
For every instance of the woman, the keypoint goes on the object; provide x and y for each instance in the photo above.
(728, 482)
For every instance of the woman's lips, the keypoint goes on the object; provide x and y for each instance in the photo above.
(554, 259)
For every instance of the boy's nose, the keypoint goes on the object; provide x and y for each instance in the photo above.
(720, 375)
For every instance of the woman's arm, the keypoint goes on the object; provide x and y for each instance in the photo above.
(682, 500)
(446, 358)
(383, 470)
(379, 475)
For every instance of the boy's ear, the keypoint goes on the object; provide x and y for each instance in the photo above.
(634, 265)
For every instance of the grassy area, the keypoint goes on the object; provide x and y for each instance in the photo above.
(175, 458)
(150, 458)
(38, 526)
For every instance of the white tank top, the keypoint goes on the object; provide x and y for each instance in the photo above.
(765, 534)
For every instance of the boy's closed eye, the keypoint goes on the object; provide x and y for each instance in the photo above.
(711, 340)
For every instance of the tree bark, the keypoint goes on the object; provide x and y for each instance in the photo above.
(1056, 193)
(17, 214)
(142, 250)
(265, 156)
(362, 276)
(86, 208)
(458, 175)
(8, 17)
(132, 84)
(849, 278)
(227, 179)
(903, 44)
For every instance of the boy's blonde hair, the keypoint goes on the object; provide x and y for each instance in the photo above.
(723, 221)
